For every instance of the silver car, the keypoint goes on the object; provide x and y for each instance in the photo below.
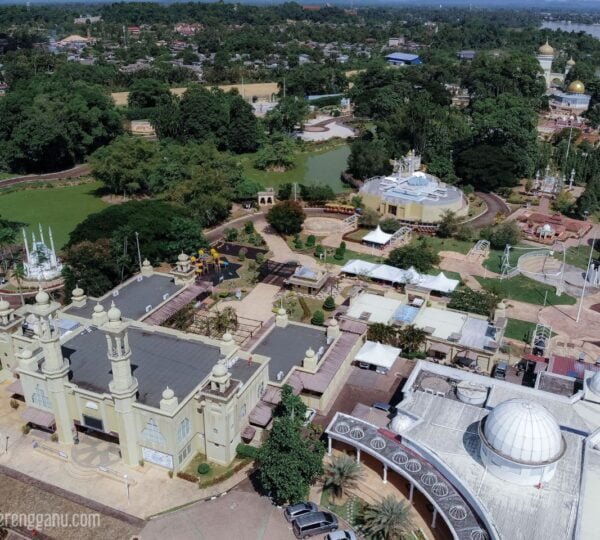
(341, 535)
(296, 510)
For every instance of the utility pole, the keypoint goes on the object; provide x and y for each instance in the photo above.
(137, 241)
(586, 278)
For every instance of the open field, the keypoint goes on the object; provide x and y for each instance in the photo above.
(61, 208)
(527, 290)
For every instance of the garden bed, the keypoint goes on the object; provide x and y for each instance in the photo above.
(217, 473)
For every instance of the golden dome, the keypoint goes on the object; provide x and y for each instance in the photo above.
(576, 87)
(571, 62)
(546, 49)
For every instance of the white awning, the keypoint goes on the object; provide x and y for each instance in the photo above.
(358, 267)
(377, 236)
(385, 272)
(439, 283)
(377, 354)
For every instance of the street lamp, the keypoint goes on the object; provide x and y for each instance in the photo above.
(6, 448)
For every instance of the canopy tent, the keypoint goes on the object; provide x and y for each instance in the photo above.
(377, 236)
(391, 274)
(377, 354)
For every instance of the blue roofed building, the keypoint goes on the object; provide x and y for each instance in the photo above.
(403, 59)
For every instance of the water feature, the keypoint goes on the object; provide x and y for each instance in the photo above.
(326, 168)
(566, 26)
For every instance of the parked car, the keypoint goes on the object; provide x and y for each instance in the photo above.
(308, 416)
(386, 407)
(296, 510)
(500, 371)
(341, 535)
(314, 523)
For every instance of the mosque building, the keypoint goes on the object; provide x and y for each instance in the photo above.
(103, 366)
(491, 459)
(411, 195)
(41, 262)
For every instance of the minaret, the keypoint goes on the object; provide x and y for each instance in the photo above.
(545, 57)
(55, 367)
(572, 179)
(26, 244)
(52, 250)
(123, 386)
(41, 233)
(569, 66)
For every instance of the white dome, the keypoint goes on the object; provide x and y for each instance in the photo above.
(523, 431)
(219, 370)
(98, 308)
(400, 423)
(114, 313)
(42, 297)
(77, 292)
(594, 383)
(4, 305)
(168, 393)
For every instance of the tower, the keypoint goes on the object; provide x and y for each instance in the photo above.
(123, 386)
(569, 66)
(545, 57)
(54, 367)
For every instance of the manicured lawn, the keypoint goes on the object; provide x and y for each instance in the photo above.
(358, 234)
(321, 166)
(446, 244)
(577, 256)
(351, 255)
(520, 330)
(526, 290)
(61, 208)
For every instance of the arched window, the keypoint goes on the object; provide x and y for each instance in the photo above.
(40, 398)
(243, 411)
(183, 430)
(261, 389)
(152, 433)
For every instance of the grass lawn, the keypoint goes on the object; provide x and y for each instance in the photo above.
(216, 472)
(520, 330)
(358, 234)
(5, 175)
(330, 259)
(447, 244)
(349, 511)
(61, 208)
(319, 166)
(577, 256)
(527, 290)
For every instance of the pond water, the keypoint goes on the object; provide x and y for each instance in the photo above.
(592, 29)
(326, 168)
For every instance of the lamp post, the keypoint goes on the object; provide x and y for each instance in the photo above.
(126, 486)
(6, 447)
(585, 280)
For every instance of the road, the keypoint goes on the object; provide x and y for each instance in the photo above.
(494, 205)
(75, 172)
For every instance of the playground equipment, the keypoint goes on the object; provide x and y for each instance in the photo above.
(207, 263)
(540, 340)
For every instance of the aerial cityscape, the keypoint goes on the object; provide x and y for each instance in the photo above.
(280, 270)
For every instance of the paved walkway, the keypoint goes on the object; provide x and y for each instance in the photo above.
(257, 305)
(278, 246)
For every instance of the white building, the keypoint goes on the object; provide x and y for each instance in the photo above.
(41, 262)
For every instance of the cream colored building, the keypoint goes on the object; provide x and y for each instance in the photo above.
(411, 195)
(162, 395)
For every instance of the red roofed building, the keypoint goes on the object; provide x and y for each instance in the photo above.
(569, 366)
(134, 30)
(547, 229)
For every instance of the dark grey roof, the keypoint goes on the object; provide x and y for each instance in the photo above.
(158, 360)
(133, 298)
(286, 347)
(242, 370)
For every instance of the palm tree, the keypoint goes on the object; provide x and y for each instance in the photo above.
(215, 325)
(411, 339)
(342, 473)
(19, 274)
(387, 519)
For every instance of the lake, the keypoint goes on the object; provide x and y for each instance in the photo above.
(311, 168)
(592, 29)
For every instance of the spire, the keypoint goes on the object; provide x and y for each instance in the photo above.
(26, 245)
(41, 233)
(52, 250)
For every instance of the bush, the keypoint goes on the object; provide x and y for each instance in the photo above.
(54, 437)
(14, 404)
(141, 462)
(298, 244)
(329, 304)
(26, 428)
(246, 451)
(203, 468)
(170, 473)
(248, 227)
(242, 254)
(390, 225)
(318, 318)
(339, 254)
(260, 258)
(231, 234)
(319, 251)
(310, 241)
(186, 476)
(286, 217)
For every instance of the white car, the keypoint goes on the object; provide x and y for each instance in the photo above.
(308, 416)
(341, 535)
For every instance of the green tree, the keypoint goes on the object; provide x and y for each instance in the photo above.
(342, 474)
(290, 112)
(390, 225)
(386, 520)
(481, 302)
(500, 235)
(329, 304)
(449, 224)
(290, 406)
(369, 217)
(410, 338)
(318, 318)
(147, 93)
(418, 255)
(242, 134)
(286, 217)
(383, 333)
(368, 158)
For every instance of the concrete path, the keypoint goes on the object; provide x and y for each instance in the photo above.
(278, 246)
(75, 172)
(257, 305)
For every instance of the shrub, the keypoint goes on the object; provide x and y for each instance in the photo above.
(286, 217)
(318, 318)
(329, 304)
(203, 468)
(389, 225)
(26, 428)
(54, 437)
(170, 473)
(260, 258)
(186, 476)
(14, 404)
(242, 254)
(231, 234)
(248, 227)
(339, 254)
(319, 250)
(310, 241)
(141, 462)
(246, 451)
(343, 247)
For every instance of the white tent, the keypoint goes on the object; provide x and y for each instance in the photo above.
(377, 237)
(377, 354)
(388, 273)
(439, 283)
(358, 267)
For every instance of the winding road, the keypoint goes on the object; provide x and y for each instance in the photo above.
(495, 205)
(75, 172)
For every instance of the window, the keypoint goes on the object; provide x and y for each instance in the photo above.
(185, 453)
(261, 389)
(243, 411)
(183, 430)
(392, 210)
(93, 423)
(40, 398)
(152, 433)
